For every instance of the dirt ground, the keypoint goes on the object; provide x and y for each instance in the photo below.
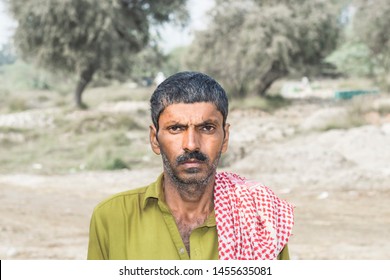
(338, 180)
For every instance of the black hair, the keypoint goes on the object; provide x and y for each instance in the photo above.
(188, 87)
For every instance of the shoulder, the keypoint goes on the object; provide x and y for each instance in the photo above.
(250, 190)
(131, 201)
(120, 199)
(242, 184)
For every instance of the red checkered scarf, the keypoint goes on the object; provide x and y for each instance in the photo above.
(252, 222)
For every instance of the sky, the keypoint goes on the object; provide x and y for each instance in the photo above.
(172, 36)
(6, 25)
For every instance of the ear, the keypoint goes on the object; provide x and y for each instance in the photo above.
(225, 139)
(153, 139)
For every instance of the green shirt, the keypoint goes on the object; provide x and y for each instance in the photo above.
(138, 225)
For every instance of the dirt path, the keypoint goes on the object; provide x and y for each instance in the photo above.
(47, 217)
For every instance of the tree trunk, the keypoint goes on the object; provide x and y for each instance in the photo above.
(85, 77)
(265, 82)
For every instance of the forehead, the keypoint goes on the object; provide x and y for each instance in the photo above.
(191, 113)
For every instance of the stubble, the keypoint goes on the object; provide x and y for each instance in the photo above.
(190, 188)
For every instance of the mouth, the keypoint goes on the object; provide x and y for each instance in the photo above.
(192, 159)
(192, 163)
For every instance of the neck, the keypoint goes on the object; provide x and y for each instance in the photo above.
(190, 200)
(189, 211)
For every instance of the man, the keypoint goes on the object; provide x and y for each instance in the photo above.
(191, 211)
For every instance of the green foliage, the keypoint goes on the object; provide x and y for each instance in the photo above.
(147, 63)
(22, 76)
(251, 44)
(105, 153)
(353, 59)
(88, 37)
(116, 163)
(102, 122)
(175, 61)
(7, 55)
(365, 51)
(77, 141)
(17, 104)
(23, 86)
(371, 25)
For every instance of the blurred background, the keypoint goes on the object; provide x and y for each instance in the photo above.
(308, 83)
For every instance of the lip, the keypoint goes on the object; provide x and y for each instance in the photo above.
(192, 163)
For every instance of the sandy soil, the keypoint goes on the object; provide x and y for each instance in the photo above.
(337, 179)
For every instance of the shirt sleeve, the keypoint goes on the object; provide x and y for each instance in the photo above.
(96, 240)
(284, 254)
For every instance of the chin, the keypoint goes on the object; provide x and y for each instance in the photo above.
(194, 177)
(192, 170)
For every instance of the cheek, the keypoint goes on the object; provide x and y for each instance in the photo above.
(169, 150)
(214, 148)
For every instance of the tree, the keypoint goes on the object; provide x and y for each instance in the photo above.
(175, 60)
(365, 48)
(352, 58)
(147, 63)
(371, 25)
(88, 37)
(250, 44)
(7, 55)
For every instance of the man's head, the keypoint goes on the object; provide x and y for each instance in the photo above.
(189, 130)
(188, 87)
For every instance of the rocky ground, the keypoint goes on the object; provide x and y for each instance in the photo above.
(338, 179)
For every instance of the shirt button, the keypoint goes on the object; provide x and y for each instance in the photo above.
(181, 251)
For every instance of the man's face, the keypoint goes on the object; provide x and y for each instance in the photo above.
(190, 139)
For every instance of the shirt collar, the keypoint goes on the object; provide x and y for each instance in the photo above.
(155, 192)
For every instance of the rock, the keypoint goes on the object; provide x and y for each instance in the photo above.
(274, 135)
(325, 119)
(386, 129)
(29, 119)
(372, 118)
(11, 252)
(323, 195)
(382, 105)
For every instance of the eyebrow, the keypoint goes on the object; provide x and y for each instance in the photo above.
(206, 122)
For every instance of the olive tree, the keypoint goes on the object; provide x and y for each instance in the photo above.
(250, 44)
(87, 37)
(371, 24)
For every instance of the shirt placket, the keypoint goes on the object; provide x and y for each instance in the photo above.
(174, 232)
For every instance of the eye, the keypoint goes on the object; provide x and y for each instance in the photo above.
(208, 128)
(175, 129)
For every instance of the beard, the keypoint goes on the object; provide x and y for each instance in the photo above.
(193, 183)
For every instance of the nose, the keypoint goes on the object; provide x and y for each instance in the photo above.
(191, 141)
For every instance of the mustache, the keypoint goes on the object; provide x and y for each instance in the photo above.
(192, 155)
